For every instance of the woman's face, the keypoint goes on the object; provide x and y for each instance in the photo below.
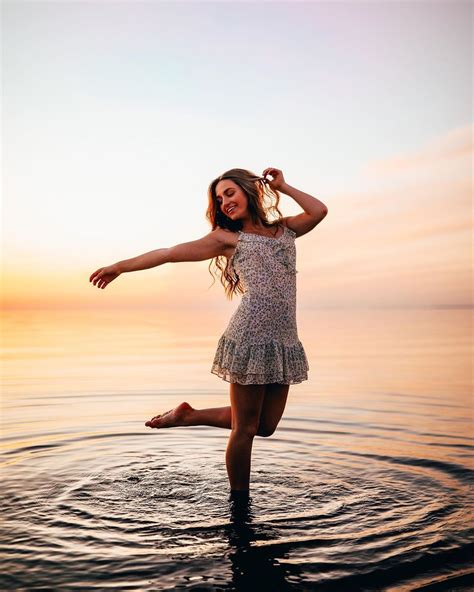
(231, 199)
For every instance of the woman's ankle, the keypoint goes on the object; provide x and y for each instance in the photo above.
(239, 493)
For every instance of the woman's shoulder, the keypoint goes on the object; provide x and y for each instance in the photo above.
(225, 235)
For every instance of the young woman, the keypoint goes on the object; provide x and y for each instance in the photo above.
(259, 353)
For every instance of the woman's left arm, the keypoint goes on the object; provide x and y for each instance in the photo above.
(314, 209)
(311, 205)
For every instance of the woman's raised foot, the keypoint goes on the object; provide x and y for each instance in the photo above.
(174, 417)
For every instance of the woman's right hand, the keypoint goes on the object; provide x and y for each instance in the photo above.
(104, 275)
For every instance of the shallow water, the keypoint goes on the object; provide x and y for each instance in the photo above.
(365, 485)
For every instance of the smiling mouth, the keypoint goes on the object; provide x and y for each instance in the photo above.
(231, 209)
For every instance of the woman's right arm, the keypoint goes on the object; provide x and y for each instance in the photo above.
(216, 243)
(212, 245)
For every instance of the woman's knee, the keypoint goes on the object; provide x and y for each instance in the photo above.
(265, 432)
(247, 431)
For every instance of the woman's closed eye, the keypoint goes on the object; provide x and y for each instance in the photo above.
(219, 201)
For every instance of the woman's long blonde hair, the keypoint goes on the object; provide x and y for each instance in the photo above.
(262, 204)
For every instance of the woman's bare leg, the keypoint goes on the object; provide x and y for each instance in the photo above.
(185, 415)
(246, 404)
(273, 406)
(221, 417)
(255, 410)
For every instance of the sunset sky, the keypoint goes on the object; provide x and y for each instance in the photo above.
(116, 117)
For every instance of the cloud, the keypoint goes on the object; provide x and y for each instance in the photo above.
(407, 241)
(455, 144)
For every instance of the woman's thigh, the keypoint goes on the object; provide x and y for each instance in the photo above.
(246, 402)
(273, 405)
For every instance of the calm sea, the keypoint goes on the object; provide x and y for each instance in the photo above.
(365, 485)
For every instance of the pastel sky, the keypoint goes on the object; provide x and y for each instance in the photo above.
(116, 117)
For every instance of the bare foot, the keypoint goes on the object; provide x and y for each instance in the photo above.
(171, 418)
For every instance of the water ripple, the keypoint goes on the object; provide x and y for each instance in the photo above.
(150, 511)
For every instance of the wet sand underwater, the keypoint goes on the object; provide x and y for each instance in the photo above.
(365, 485)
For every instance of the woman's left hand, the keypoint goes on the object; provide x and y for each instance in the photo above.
(278, 180)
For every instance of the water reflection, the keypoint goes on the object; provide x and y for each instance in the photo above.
(255, 565)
